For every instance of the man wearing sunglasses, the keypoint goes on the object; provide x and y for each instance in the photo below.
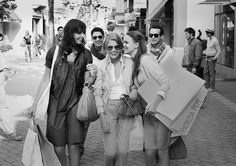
(96, 48)
(156, 44)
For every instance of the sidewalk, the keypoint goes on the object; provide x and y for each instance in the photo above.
(211, 141)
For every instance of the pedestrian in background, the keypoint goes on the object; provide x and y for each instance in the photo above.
(212, 52)
(27, 41)
(112, 82)
(71, 68)
(192, 52)
(59, 35)
(156, 134)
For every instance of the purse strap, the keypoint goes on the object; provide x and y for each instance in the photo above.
(54, 60)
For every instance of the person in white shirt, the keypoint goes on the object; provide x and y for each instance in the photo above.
(212, 52)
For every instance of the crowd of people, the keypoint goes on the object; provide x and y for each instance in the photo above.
(116, 65)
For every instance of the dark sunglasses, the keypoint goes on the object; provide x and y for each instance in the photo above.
(109, 48)
(155, 35)
(99, 37)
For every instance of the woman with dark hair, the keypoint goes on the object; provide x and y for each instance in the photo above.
(113, 81)
(156, 134)
(69, 72)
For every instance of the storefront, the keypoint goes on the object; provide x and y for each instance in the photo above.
(225, 28)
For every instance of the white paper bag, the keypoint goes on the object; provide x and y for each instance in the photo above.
(31, 155)
(136, 134)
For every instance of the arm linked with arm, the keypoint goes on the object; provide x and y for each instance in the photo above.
(98, 92)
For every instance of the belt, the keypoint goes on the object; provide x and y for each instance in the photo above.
(210, 56)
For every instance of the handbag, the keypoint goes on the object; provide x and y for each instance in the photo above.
(87, 110)
(178, 150)
(49, 156)
(31, 155)
(42, 104)
(133, 107)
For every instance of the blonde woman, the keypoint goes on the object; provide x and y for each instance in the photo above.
(113, 80)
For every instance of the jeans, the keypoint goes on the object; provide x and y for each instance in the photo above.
(209, 73)
(116, 143)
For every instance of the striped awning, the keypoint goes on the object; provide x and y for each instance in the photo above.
(11, 17)
(131, 17)
(214, 2)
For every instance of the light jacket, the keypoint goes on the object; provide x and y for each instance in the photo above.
(103, 84)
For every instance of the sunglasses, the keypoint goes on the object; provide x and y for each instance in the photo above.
(99, 37)
(109, 48)
(155, 35)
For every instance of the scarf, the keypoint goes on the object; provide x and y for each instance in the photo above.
(97, 54)
(157, 50)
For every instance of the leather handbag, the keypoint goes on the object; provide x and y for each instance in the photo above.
(132, 107)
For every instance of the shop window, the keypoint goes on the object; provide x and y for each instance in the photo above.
(228, 35)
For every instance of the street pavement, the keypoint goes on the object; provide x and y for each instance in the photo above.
(210, 142)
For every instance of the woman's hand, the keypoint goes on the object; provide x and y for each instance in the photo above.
(30, 113)
(133, 94)
(104, 122)
(93, 69)
(151, 108)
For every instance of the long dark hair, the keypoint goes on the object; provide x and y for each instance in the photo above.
(142, 49)
(68, 41)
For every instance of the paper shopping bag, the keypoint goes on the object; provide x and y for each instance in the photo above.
(31, 155)
(49, 157)
(184, 121)
(136, 134)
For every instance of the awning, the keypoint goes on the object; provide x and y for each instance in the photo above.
(157, 10)
(214, 2)
(131, 17)
(12, 17)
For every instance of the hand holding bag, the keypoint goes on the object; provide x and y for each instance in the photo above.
(31, 155)
(42, 104)
(87, 110)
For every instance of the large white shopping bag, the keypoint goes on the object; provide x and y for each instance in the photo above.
(136, 134)
(184, 121)
(184, 86)
(31, 155)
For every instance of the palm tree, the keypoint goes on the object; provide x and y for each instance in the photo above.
(51, 37)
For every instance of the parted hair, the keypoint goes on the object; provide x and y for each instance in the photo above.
(115, 37)
(142, 49)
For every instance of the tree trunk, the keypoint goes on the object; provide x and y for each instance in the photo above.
(51, 36)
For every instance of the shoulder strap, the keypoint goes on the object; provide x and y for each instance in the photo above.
(53, 61)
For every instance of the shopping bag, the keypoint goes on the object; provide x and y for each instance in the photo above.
(184, 121)
(177, 149)
(87, 110)
(31, 155)
(42, 104)
(49, 156)
(184, 86)
(136, 134)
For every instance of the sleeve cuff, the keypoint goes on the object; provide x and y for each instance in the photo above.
(162, 94)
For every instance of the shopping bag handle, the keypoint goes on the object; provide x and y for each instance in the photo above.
(32, 124)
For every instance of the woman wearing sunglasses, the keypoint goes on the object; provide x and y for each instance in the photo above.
(113, 80)
(156, 134)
